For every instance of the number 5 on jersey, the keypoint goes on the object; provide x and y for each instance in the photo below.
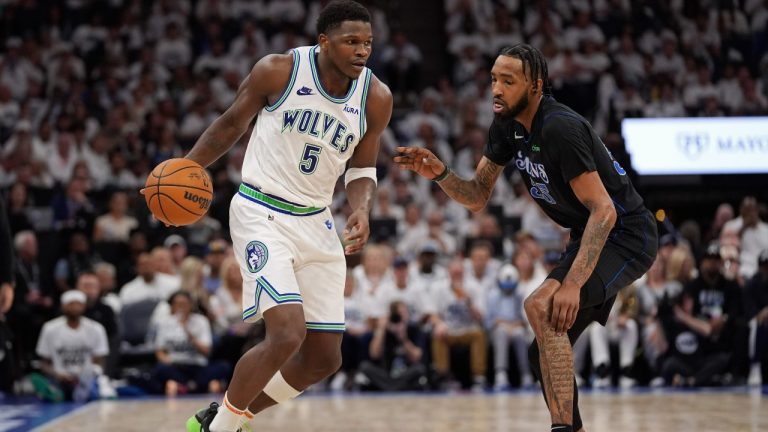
(309, 158)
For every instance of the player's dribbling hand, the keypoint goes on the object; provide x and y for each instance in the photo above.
(419, 160)
(565, 306)
(356, 232)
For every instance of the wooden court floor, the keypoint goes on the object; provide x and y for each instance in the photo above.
(606, 412)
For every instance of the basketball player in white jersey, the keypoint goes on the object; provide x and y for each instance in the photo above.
(318, 109)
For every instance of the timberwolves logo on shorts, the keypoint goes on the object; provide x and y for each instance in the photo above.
(256, 256)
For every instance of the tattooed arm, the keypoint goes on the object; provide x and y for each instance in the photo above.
(472, 194)
(589, 189)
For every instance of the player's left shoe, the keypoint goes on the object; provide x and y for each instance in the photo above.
(201, 421)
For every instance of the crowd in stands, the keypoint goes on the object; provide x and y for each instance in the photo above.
(95, 94)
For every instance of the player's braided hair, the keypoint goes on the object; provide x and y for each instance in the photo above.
(534, 63)
(339, 11)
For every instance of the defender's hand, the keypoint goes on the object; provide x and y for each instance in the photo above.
(356, 232)
(419, 160)
(565, 306)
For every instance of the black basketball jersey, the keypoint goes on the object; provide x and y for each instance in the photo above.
(560, 147)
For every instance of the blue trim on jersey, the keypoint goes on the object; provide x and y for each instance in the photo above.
(316, 77)
(291, 82)
(363, 102)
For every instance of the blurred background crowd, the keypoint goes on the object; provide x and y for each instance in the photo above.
(93, 94)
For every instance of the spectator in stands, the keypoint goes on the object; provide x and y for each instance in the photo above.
(458, 321)
(33, 302)
(530, 271)
(106, 274)
(18, 205)
(373, 279)
(183, 345)
(73, 209)
(217, 251)
(356, 336)
(756, 302)
(506, 327)
(622, 330)
(116, 225)
(480, 268)
(72, 348)
(753, 233)
(395, 353)
(404, 289)
(228, 314)
(178, 247)
(148, 284)
(79, 258)
(165, 265)
(652, 292)
(402, 67)
(709, 309)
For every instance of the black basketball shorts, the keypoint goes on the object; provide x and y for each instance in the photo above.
(628, 253)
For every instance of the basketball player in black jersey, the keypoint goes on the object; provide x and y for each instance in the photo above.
(576, 181)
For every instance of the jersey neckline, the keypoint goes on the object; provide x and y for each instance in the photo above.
(319, 85)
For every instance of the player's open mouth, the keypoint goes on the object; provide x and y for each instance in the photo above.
(497, 107)
(359, 65)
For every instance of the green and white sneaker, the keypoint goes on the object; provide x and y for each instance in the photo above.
(201, 421)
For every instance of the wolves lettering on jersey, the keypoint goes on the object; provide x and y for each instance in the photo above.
(301, 143)
(331, 130)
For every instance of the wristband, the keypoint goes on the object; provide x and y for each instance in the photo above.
(442, 176)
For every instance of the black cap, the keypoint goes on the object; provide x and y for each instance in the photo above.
(712, 251)
(400, 262)
(667, 240)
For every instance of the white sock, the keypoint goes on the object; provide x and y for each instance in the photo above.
(227, 418)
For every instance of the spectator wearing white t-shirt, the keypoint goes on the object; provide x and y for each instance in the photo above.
(458, 321)
(147, 285)
(753, 233)
(183, 344)
(116, 225)
(71, 346)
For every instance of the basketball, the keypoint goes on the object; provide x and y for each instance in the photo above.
(178, 192)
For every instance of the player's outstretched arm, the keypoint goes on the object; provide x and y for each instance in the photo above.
(589, 189)
(268, 78)
(472, 194)
(360, 187)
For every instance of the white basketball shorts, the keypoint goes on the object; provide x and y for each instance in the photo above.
(288, 254)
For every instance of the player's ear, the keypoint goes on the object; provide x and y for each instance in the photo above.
(322, 40)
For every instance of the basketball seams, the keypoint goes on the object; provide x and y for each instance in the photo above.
(187, 187)
(179, 205)
(173, 172)
(159, 201)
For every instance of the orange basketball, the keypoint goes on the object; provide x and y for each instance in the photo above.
(178, 192)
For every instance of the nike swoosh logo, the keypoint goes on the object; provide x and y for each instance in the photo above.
(518, 136)
(304, 91)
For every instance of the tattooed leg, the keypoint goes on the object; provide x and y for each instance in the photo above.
(556, 355)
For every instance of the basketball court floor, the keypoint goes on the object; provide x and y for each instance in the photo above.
(648, 411)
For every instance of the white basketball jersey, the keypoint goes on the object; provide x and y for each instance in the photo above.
(301, 144)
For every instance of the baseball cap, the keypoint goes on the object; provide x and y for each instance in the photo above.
(217, 246)
(429, 246)
(667, 240)
(508, 277)
(73, 296)
(173, 240)
(399, 262)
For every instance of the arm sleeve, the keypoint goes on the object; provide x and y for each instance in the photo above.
(7, 264)
(499, 148)
(571, 144)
